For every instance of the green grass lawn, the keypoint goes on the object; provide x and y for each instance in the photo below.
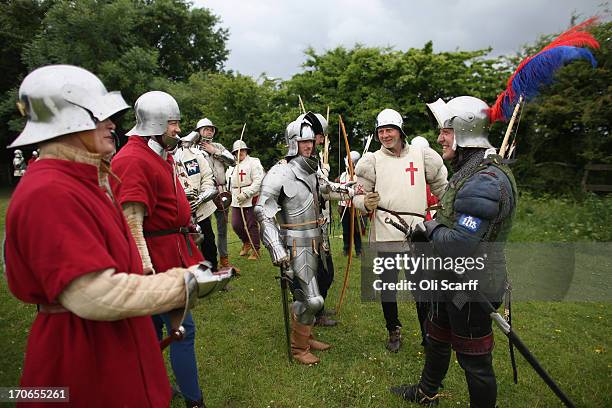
(241, 345)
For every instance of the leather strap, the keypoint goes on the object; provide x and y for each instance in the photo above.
(52, 309)
(320, 221)
(475, 346)
(185, 231)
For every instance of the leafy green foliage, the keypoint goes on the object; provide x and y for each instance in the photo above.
(230, 101)
(141, 45)
(360, 82)
(186, 38)
(132, 45)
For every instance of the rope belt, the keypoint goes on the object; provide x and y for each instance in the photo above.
(180, 230)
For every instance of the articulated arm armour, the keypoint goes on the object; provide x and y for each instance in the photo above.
(265, 211)
(224, 155)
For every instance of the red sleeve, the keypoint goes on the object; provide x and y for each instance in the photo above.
(136, 182)
(431, 199)
(64, 243)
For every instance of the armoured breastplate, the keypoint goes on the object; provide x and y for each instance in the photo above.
(300, 216)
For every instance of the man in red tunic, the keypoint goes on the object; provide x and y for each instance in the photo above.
(34, 157)
(69, 250)
(158, 213)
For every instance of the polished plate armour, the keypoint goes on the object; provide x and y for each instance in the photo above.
(289, 194)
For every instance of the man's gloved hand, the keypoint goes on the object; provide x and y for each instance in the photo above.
(324, 169)
(242, 198)
(202, 281)
(193, 205)
(419, 233)
(286, 265)
(422, 231)
(191, 194)
(371, 200)
(279, 255)
(350, 191)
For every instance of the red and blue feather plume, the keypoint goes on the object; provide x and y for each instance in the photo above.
(539, 69)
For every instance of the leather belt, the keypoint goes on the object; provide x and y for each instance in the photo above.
(52, 308)
(180, 230)
(318, 222)
(185, 231)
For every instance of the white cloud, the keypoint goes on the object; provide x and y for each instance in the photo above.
(271, 35)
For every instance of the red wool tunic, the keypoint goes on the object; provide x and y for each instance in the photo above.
(148, 179)
(60, 225)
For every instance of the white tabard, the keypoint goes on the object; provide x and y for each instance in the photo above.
(400, 181)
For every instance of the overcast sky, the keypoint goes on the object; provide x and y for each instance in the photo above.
(270, 35)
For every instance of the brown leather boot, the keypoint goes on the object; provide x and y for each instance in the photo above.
(224, 263)
(246, 248)
(253, 256)
(317, 345)
(300, 349)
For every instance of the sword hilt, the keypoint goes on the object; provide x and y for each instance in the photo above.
(398, 226)
(175, 335)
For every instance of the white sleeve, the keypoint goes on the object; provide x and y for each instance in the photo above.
(106, 295)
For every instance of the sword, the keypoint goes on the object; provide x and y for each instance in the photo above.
(284, 300)
(402, 228)
(514, 339)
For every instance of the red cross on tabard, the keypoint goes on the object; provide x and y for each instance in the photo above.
(412, 170)
(242, 174)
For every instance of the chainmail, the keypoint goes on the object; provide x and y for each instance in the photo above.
(465, 163)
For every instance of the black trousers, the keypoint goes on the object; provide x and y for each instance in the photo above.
(469, 322)
(208, 248)
(389, 299)
(325, 278)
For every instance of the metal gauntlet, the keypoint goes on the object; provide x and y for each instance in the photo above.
(271, 237)
(209, 194)
(226, 157)
(201, 281)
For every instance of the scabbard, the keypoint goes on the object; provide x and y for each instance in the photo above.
(284, 299)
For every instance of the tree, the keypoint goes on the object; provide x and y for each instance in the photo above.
(231, 100)
(187, 40)
(19, 22)
(91, 33)
(360, 82)
(130, 44)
